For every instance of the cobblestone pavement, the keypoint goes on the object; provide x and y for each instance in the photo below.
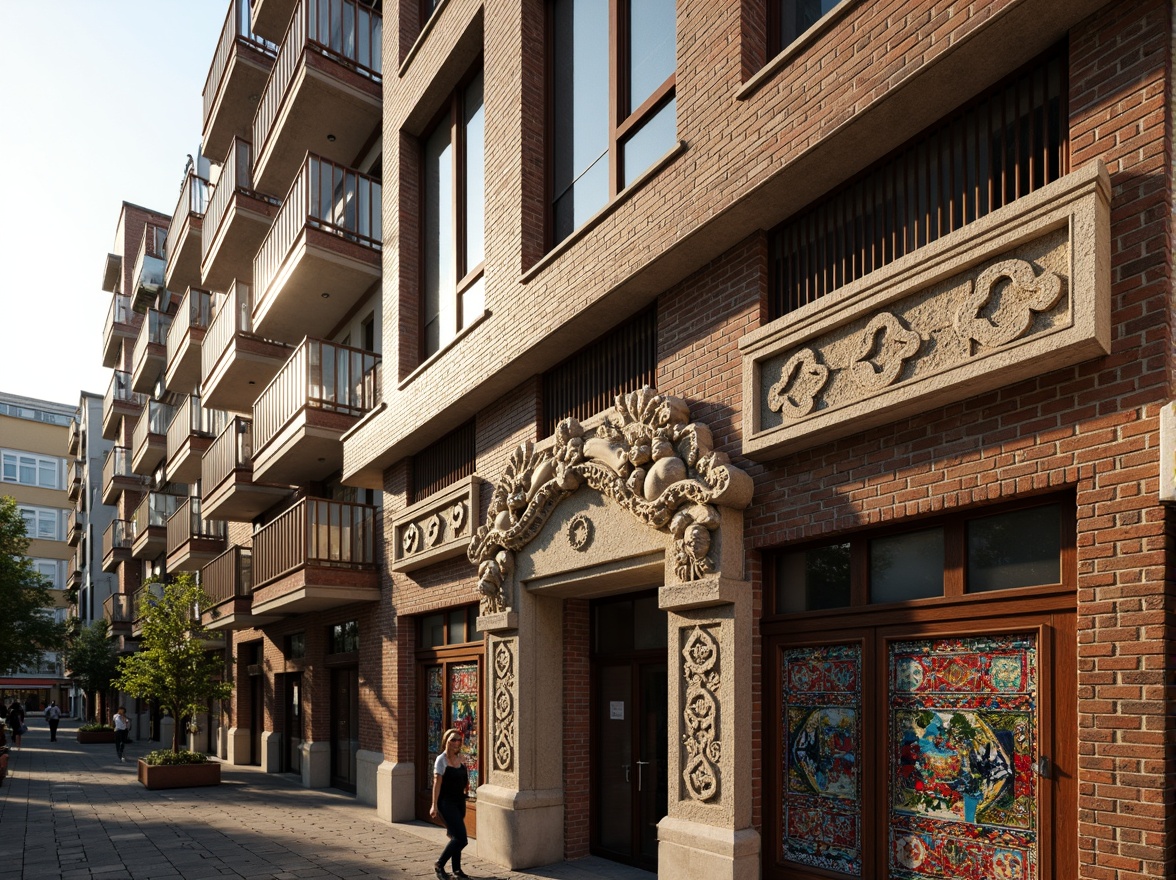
(74, 812)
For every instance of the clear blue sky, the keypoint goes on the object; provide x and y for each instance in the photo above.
(100, 102)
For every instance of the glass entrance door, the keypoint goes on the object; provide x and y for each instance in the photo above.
(344, 726)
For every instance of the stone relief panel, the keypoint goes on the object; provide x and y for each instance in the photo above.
(702, 679)
(504, 706)
(439, 527)
(1013, 295)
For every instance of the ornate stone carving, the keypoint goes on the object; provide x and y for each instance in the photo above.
(884, 346)
(434, 527)
(647, 457)
(580, 532)
(801, 380)
(1012, 315)
(457, 516)
(504, 677)
(411, 539)
(700, 668)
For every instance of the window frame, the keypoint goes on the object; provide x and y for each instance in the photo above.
(39, 512)
(16, 459)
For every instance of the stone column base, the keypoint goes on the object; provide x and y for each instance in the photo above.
(520, 829)
(396, 792)
(316, 764)
(367, 768)
(691, 849)
(271, 751)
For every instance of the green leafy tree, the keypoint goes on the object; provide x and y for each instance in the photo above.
(27, 627)
(92, 662)
(172, 665)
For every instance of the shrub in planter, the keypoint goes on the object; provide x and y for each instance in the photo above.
(178, 769)
(95, 733)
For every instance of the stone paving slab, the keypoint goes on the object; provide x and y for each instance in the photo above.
(73, 812)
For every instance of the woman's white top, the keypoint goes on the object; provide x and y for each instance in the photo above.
(122, 722)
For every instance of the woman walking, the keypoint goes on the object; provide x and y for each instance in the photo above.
(122, 729)
(15, 719)
(451, 782)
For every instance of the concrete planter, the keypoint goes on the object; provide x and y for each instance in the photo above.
(95, 736)
(179, 775)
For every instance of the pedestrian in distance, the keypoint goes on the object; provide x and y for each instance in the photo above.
(451, 784)
(53, 718)
(16, 720)
(122, 731)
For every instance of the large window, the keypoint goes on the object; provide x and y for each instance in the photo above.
(30, 469)
(602, 139)
(453, 218)
(43, 523)
(788, 20)
(52, 571)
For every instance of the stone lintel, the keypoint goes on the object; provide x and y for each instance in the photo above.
(498, 622)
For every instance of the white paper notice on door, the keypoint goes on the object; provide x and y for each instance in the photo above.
(616, 710)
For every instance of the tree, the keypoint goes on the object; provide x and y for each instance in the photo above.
(171, 665)
(92, 662)
(27, 627)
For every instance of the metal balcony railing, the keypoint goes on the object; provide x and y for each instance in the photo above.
(154, 420)
(234, 316)
(315, 532)
(154, 511)
(120, 391)
(232, 450)
(319, 375)
(236, 177)
(193, 201)
(229, 576)
(194, 313)
(186, 525)
(145, 593)
(118, 536)
(117, 608)
(76, 520)
(237, 30)
(323, 196)
(75, 435)
(77, 472)
(117, 464)
(345, 30)
(192, 419)
(153, 332)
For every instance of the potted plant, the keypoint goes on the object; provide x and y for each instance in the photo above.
(95, 733)
(173, 667)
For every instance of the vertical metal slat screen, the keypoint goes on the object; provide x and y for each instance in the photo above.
(443, 463)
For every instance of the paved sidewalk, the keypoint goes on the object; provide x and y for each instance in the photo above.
(73, 812)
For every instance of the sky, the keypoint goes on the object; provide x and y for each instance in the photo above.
(100, 103)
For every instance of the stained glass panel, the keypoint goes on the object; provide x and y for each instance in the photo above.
(434, 710)
(963, 744)
(821, 806)
(463, 713)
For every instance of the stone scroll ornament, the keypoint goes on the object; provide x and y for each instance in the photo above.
(1025, 293)
(647, 457)
(700, 740)
(504, 718)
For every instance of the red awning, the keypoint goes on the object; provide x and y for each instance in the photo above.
(29, 682)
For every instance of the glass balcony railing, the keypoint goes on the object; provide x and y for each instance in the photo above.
(229, 576)
(315, 532)
(194, 313)
(193, 201)
(231, 451)
(234, 316)
(153, 422)
(117, 608)
(153, 332)
(154, 511)
(236, 177)
(237, 30)
(117, 465)
(186, 525)
(148, 275)
(118, 536)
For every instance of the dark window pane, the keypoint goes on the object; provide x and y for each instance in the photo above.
(649, 624)
(475, 174)
(433, 631)
(457, 633)
(1018, 549)
(614, 627)
(579, 91)
(797, 16)
(649, 143)
(907, 566)
(812, 580)
(652, 48)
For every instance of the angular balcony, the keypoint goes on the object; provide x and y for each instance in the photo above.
(191, 432)
(235, 362)
(149, 523)
(230, 492)
(77, 572)
(146, 595)
(122, 325)
(120, 402)
(271, 17)
(74, 439)
(118, 609)
(240, 67)
(325, 91)
(182, 264)
(77, 478)
(147, 279)
(300, 418)
(150, 355)
(150, 437)
(322, 255)
(111, 272)
(117, 476)
(238, 219)
(319, 554)
(228, 581)
(75, 527)
(192, 541)
(184, 340)
(116, 544)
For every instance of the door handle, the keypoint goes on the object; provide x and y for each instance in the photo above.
(1043, 769)
(640, 773)
(626, 769)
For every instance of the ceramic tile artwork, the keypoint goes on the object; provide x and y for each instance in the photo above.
(963, 744)
(821, 807)
(463, 714)
(435, 708)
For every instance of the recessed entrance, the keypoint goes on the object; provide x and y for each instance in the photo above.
(344, 726)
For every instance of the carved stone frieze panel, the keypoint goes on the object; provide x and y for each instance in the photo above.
(702, 679)
(1020, 292)
(437, 528)
(504, 706)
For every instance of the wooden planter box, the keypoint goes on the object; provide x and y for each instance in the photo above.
(179, 775)
(95, 736)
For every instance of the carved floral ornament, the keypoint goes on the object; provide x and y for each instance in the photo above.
(700, 715)
(647, 457)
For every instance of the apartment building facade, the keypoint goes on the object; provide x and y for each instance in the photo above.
(35, 472)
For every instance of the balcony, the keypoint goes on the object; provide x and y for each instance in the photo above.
(230, 492)
(240, 67)
(120, 402)
(236, 363)
(322, 255)
(149, 524)
(185, 337)
(75, 527)
(117, 476)
(192, 541)
(237, 221)
(189, 435)
(150, 437)
(324, 93)
(74, 440)
(147, 280)
(270, 17)
(300, 418)
(122, 325)
(150, 354)
(118, 609)
(228, 581)
(146, 595)
(77, 573)
(77, 478)
(182, 265)
(317, 555)
(116, 544)
(111, 272)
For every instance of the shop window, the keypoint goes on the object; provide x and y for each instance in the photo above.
(453, 221)
(344, 638)
(1003, 145)
(602, 139)
(443, 463)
